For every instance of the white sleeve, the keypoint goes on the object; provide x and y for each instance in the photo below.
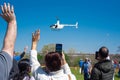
(36, 69)
(33, 59)
(67, 70)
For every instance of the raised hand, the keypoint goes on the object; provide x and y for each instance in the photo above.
(35, 39)
(25, 48)
(8, 13)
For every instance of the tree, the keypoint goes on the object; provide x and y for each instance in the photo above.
(48, 48)
(71, 51)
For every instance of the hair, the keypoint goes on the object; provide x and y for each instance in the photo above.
(24, 69)
(24, 64)
(103, 52)
(53, 61)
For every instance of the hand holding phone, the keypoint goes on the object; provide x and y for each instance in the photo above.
(96, 55)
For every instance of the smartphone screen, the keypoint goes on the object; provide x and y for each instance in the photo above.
(59, 48)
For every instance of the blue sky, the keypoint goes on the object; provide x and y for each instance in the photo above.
(99, 23)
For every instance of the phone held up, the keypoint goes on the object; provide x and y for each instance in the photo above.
(96, 55)
(58, 48)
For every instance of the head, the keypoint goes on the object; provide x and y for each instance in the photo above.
(86, 59)
(24, 65)
(103, 53)
(53, 61)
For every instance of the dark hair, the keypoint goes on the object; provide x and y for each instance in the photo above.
(23, 64)
(24, 69)
(103, 52)
(53, 61)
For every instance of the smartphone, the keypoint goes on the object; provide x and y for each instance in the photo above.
(96, 55)
(59, 48)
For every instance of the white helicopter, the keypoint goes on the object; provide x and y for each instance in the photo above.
(59, 26)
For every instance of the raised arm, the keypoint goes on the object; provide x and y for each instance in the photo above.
(9, 16)
(66, 68)
(8, 46)
(23, 53)
(33, 53)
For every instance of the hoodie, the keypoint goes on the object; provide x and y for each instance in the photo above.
(103, 71)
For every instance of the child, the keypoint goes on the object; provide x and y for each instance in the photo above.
(24, 70)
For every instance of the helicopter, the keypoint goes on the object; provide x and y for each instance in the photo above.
(59, 26)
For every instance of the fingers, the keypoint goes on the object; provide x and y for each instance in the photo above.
(32, 34)
(36, 35)
(2, 9)
(8, 13)
(12, 9)
(38, 31)
(7, 9)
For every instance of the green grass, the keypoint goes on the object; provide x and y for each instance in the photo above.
(75, 71)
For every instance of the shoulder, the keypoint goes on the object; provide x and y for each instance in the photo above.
(96, 68)
(5, 64)
(5, 57)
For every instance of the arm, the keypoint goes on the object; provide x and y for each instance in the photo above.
(33, 53)
(9, 40)
(22, 55)
(66, 68)
(19, 57)
(36, 69)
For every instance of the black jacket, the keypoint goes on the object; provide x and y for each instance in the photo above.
(103, 71)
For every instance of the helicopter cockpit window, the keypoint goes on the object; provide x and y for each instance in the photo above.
(56, 26)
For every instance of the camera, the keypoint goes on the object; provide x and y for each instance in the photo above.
(58, 48)
(96, 55)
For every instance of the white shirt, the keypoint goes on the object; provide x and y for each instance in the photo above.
(40, 74)
(27, 78)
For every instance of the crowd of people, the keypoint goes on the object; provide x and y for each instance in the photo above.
(56, 68)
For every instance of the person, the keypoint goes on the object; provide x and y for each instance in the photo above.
(119, 69)
(103, 69)
(24, 70)
(14, 71)
(56, 65)
(6, 55)
(86, 69)
(19, 57)
(80, 65)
